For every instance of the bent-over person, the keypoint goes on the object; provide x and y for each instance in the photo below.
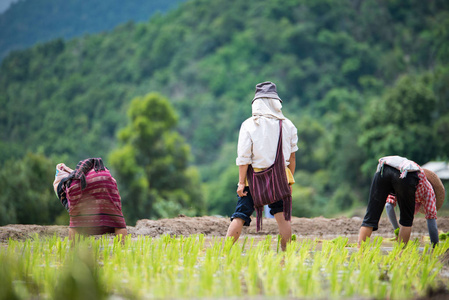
(90, 195)
(414, 189)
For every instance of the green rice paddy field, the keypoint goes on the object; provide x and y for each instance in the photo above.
(196, 266)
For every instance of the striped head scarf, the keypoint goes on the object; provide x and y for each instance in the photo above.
(83, 167)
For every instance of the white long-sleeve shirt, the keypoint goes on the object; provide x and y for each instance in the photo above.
(257, 144)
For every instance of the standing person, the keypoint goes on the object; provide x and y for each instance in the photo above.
(400, 180)
(258, 142)
(90, 195)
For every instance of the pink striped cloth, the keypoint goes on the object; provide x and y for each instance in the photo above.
(97, 209)
(271, 185)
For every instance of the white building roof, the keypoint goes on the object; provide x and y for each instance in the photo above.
(441, 168)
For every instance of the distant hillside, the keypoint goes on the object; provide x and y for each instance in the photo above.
(4, 5)
(359, 79)
(27, 22)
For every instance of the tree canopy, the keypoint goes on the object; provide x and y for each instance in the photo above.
(27, 195)
(360, 79)
(152, 164)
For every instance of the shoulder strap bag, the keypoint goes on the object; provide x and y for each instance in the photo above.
(270, 185)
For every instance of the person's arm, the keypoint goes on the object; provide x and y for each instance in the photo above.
(364, 233)
(292, 165)
(242, 180)
(433, 231)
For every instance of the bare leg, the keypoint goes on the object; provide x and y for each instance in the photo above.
(404, 234)
(122, 232)
(364, 232)
(72, 236)
(235, 228)
(72, 233)
(285, 229)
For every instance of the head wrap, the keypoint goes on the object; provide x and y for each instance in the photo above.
(267, 108)
(62, 171)
(83, 167)
(62, 175)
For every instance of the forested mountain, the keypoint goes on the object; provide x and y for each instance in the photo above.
(27, 22)
(360, 79)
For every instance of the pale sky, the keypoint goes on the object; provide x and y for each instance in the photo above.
(4, 4)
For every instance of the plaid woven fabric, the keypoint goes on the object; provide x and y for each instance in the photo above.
(391, 199)
(424, 196)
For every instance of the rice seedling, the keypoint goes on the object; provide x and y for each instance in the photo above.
(396, 232)
(443, 236)
(170, 267)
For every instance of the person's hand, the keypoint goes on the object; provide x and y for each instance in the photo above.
(240, 190)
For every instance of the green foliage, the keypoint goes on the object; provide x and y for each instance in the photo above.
(222, 196)
(401, 122)
(310, 193)
(28, 22)
(342, 199)
(152, 164)
(312, 152)
(27, 195)
(174, 267)
(80, 278)
(359, 79)
(304, 199)
(132, 183)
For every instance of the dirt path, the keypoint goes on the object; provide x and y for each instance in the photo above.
(216, 226)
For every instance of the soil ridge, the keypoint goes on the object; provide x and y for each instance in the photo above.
(217, 226)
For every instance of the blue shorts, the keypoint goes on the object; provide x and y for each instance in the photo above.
(245, 208)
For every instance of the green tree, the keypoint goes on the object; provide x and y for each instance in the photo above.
(152, 164)
(329, 59)
(312, 150)
(400, 123)
(27, 195)
(222, 196)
